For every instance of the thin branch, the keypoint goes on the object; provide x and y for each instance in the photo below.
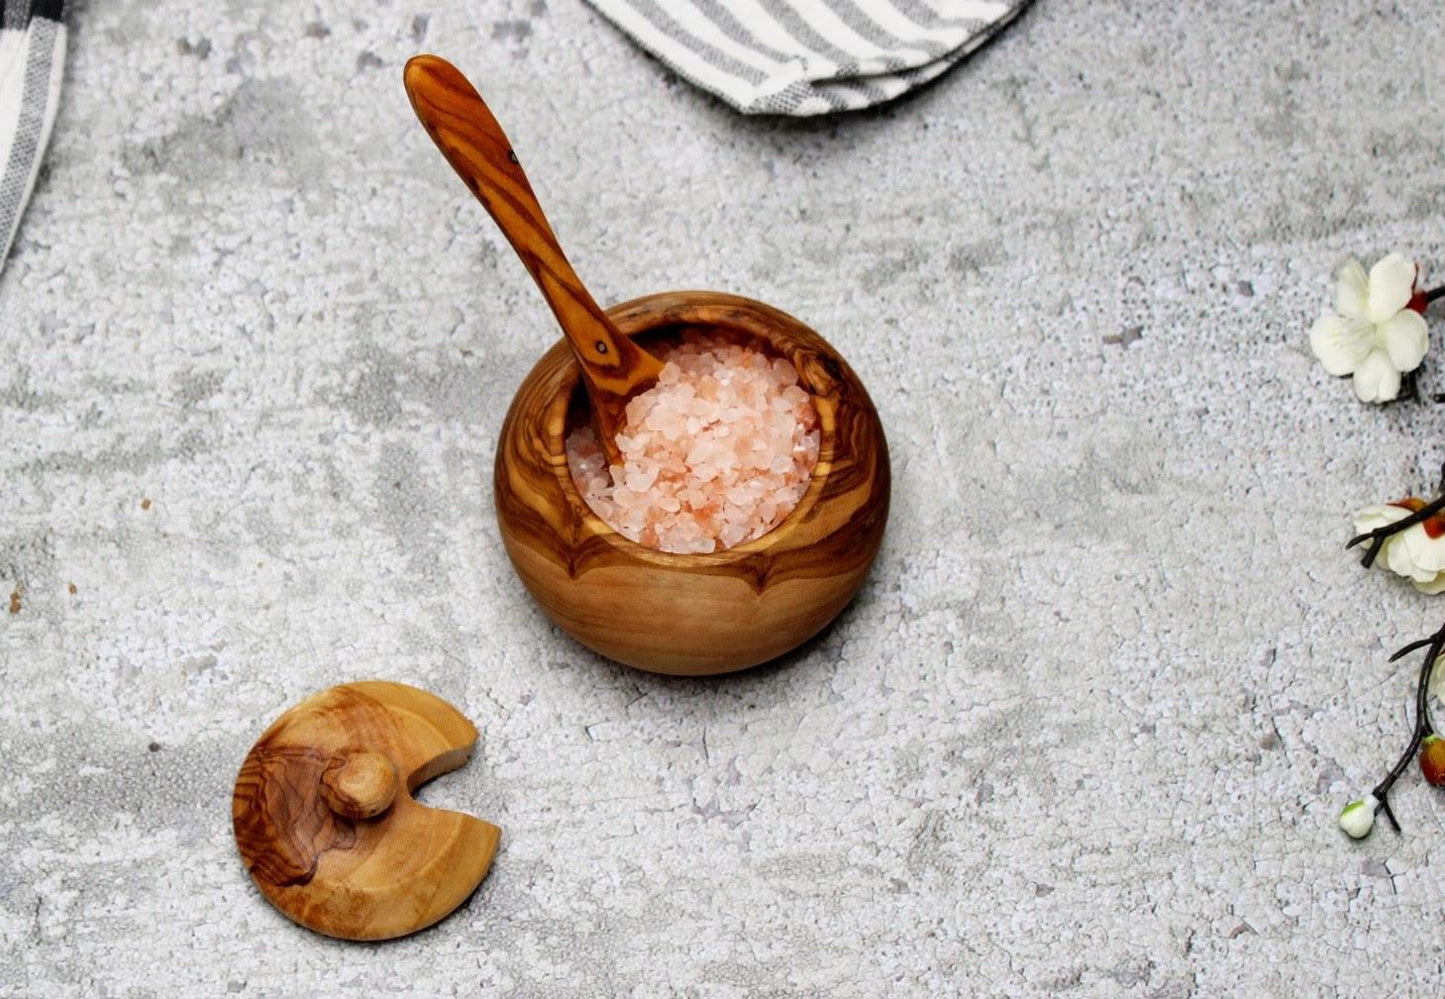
(1411, 648)
(1385, 806)
(1422, 728)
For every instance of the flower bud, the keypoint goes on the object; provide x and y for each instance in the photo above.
(1358, 817)
(1432, 759)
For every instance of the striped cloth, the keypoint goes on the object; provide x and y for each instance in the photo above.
(32, 59)
(809, 57)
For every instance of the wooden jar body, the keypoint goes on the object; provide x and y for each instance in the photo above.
(694, 615)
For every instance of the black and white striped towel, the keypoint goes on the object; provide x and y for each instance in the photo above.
(32, 59)
(808, 57)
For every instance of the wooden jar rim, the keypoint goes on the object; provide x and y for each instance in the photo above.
(819, 375)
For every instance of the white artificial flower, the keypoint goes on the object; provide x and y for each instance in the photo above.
(1374, 336)
(1358, 817)
(1412, 553)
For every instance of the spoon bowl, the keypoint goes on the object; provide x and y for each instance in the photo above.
(691, 614)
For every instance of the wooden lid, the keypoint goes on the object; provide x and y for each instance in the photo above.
(327, 826)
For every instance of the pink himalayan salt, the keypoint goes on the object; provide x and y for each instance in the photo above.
(718, 452)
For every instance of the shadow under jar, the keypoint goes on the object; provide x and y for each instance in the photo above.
(694, 614)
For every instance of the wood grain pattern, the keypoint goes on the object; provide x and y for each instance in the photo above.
(694, 614)
(325, 820)
(466, 132)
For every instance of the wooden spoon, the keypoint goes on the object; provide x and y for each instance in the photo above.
(460, 123)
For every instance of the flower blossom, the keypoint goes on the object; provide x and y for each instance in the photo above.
(1376, 332)
(1417, 552)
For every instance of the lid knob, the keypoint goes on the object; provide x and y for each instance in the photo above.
(362, 786)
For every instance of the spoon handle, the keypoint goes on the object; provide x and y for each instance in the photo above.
(465, 131)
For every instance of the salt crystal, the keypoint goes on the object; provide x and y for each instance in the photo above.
(716, 454)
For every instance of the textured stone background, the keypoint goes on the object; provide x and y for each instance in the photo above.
(1084, 732)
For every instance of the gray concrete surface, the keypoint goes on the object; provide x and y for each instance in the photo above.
(1086, 729)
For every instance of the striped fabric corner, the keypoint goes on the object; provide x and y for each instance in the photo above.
(32, 61)
(809, 57)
